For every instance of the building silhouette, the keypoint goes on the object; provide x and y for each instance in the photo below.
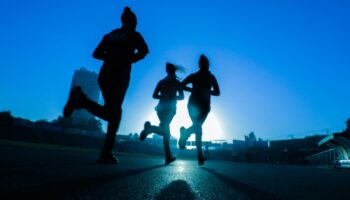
(87, 80)
(250, 140)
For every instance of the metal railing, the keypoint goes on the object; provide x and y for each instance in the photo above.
(326, 158)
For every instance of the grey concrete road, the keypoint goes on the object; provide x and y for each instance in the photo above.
(31, 171)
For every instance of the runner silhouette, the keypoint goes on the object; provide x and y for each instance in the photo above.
(118, 50)
(168, 91)
(204, 84)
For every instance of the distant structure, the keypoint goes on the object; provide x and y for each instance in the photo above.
(294, 151)
(337, 150)
(250, 140)
(287, 151)
(87, 80)
(157, 140)
(251, 149)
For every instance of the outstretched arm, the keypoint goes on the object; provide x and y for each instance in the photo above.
(216, 89)
(187, 89)
(100, 51)
(185, 82)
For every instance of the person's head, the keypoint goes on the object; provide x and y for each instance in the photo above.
(348, 124)
(203, 63)
(129, 19)
(171, 69)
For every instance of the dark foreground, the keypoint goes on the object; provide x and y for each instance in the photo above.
(30, 171)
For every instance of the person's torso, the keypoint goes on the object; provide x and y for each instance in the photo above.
(202, 83)
(119, 51)
(168, 88)
(121, 45)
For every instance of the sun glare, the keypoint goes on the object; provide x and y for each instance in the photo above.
(212, 129)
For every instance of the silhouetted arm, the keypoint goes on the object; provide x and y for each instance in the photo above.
(185, 82)
(187, 89)
(100, 50)
(181, 93)
(216, 89)
(156, 92)
(142, 49)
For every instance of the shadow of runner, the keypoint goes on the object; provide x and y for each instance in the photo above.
(245, 189)
(176, 190)
(69, 187)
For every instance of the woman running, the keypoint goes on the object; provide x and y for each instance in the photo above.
(168, 91)
(204, 84)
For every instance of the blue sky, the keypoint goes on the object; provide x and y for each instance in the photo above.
(283, 66)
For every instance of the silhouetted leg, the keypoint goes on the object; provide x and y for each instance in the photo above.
(113, 94)
(105, 113)
(95, 108)
(166, 143)
(149, 129)
(161, 129)
(194, 113)
(198, 121)
(112, 129)
(199, 143)
(157, 130)
(169, 158)
(79, 100)
(188, 131)
(165, 117)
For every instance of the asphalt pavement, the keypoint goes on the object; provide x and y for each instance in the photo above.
(33, 171)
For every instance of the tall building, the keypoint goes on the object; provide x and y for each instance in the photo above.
(87, 80)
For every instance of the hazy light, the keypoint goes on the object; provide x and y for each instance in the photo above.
(212, 129)
(180, 169)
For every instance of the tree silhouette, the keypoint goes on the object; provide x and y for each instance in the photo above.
(5, 118)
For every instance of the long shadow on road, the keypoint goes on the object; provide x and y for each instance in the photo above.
(245, 189)
(67, 187)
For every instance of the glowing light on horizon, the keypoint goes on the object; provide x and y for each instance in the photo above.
(212, 129)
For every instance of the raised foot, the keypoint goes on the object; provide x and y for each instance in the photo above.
(146, 131)
(72, 103)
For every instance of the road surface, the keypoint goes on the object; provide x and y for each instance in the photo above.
(32, 171)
